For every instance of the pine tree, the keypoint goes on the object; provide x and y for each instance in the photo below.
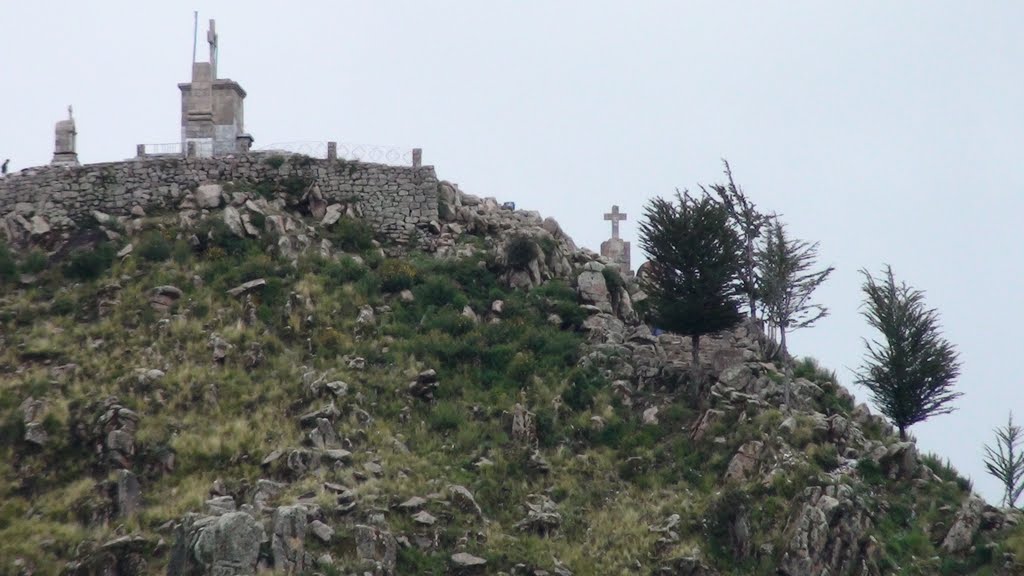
(910, 374)
(693, 282)
(748, 223)
(1006, 462)
(785, 282)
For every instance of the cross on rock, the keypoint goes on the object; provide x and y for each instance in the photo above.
(615, 216)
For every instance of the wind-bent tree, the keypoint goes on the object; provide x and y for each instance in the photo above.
(1006, 462)
(786, 282)
(748, 222)
(910, 374)
(693, 281)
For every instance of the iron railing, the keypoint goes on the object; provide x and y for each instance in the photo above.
(394, 155)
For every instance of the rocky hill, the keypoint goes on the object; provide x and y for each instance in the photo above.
(255, 381)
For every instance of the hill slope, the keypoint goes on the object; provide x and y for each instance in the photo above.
(287, 394)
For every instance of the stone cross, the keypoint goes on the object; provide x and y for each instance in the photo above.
(615, 216)
(211, 38)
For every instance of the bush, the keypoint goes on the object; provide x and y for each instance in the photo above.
(35, 262)
(824, 455)
(396, 275)
(154, 247)
(440, 291)
(8, 269)
(343, 271)
(90, 264)
(613, 279)
(275, 161)
(521, 250)
(351, 235)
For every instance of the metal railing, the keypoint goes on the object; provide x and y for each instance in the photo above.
(395, 155)
(170, 148)
(200, 148)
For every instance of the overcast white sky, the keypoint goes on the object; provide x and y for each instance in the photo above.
(890, 132)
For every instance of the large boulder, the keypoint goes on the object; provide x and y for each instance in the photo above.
(227, 545)
(288, 542)
(378, 547)
(965, 526)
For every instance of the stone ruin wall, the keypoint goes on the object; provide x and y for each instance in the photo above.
(394, 199)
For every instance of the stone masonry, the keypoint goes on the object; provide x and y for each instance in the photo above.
(394, 199)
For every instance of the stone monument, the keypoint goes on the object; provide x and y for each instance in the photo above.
(615, 249)
(212, 109)
(64, 153)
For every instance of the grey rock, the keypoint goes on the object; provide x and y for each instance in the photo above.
(288, 542)
(965, 526)
(321, 530)
(466, 560)
(208, 195)
(227, 545)
(425, 518)
(129, 495)
(376, 546)
(464, 499)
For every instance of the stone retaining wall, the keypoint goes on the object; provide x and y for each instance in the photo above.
(395, 199)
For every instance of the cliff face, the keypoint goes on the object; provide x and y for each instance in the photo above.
(248, 381)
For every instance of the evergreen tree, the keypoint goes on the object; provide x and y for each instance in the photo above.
(1006, 462)
(910, 374)
(693, 282)
(748, 222)
(785, 282)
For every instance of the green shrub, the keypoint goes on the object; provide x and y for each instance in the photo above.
(8, 269)
(870, 471)
(345, 270)
(613, 279)
(825, 456)
(521, 250)
(809, 368)
(214, 233)
(944, 469)
(440, 291)
(35, 262)
(446, 417)
(275, 161)
(351, 235)
(396, 275)
(295, 185)
(579, 395)
(154, 247)
(63, 305)
(90, 264)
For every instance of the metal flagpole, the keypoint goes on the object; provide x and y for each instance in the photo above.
(195, 33)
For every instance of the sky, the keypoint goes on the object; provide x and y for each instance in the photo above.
(888, 132)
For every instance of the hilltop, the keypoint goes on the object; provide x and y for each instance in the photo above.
(262, 366)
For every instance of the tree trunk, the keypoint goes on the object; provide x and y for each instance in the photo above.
(903, 434)
(695, 352)
(750, 277)
(784, 358)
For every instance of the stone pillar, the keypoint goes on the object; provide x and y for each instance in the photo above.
(332, 150)
(417, 157)
(190, 150)
(66, 135)
(140, 150)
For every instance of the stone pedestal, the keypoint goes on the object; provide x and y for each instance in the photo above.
(617, 250)
(64, 153)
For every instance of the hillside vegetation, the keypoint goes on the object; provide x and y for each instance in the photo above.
(406, 410)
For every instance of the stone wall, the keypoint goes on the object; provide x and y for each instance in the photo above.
(395, 199)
